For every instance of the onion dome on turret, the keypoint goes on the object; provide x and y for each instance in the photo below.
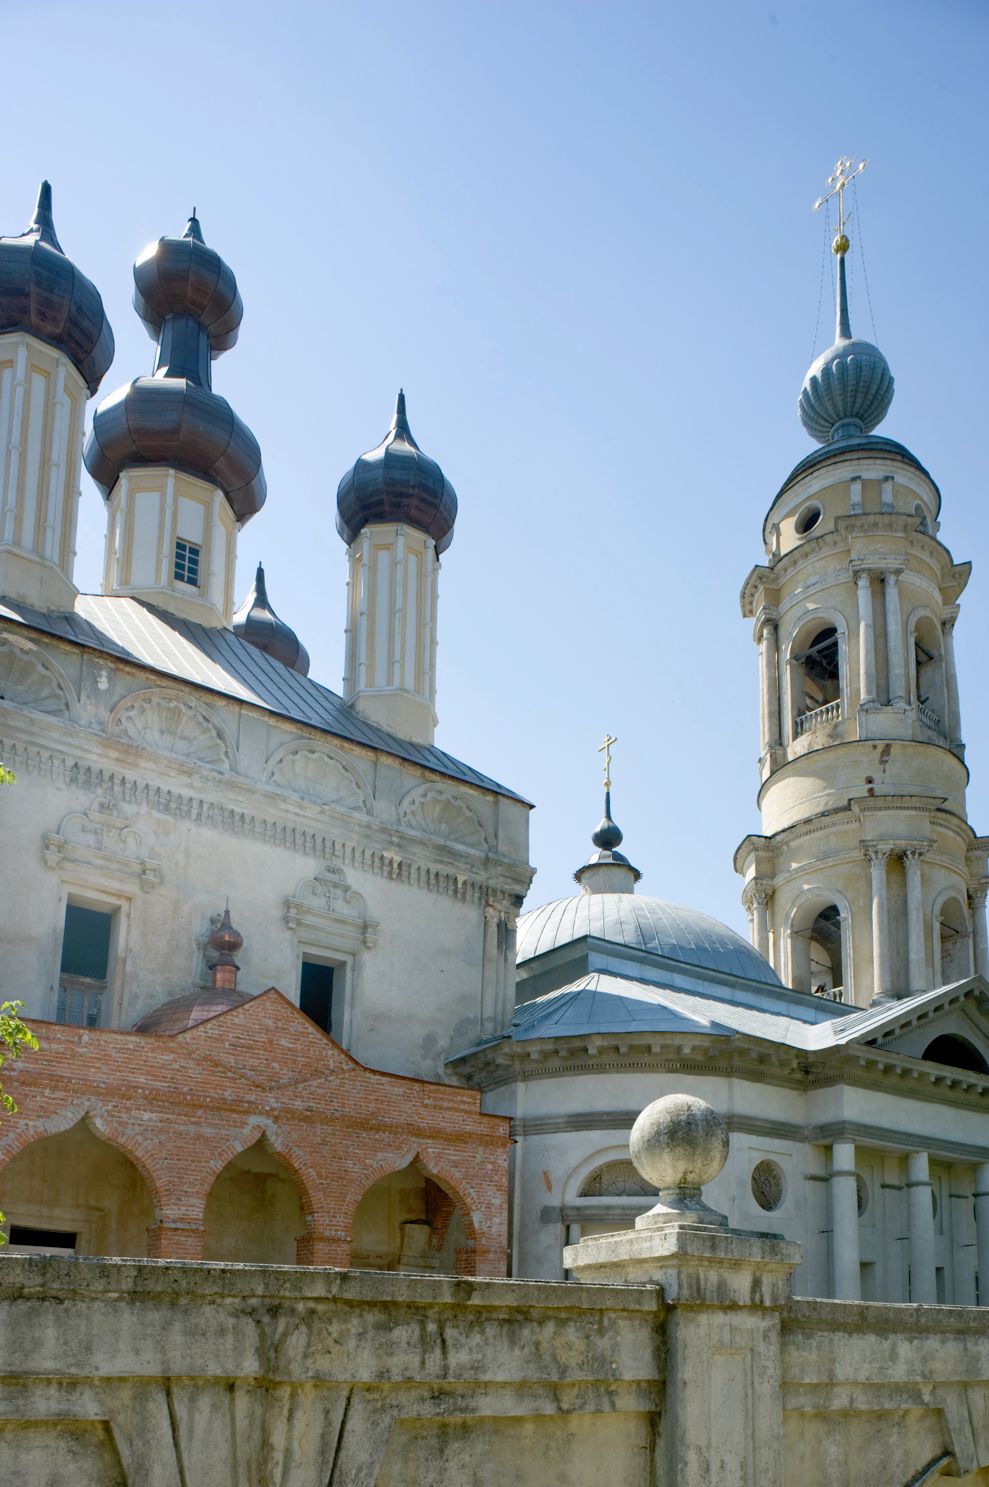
(43, 293)
(187, 297)
(607, 870)
(849, 388)
(192, 1007)
(396, 482)
(258, 624)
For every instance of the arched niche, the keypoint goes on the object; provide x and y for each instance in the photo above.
(410, 1221)
(817, 945)
(816, 668)
(928, 682)
(957, 1052)
(254, 1210)
(79, 1186)
(952, 940)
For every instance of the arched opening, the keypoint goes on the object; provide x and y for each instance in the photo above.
(616, 1180)
(409, 1221)
(928, 675)
(815, 678)
(955, 960)
(74, 1193)
(254, 1211)
(957, 1053)
(817, 950)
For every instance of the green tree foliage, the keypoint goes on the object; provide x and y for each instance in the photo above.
(15, 1037)
(7, 776)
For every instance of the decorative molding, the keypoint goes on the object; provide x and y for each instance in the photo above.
(327, 905)
(28, 679)
(101, 841)
(65, 768)
(316, 774)
(170, 724)
(435, 811)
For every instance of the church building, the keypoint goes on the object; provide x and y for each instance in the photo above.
(385, 1066)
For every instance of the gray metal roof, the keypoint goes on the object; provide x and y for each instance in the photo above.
(643, 923)
(218, 660)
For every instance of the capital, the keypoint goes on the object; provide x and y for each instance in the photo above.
(914, 854)
(876, 855)
(977, 894)
(755, 895)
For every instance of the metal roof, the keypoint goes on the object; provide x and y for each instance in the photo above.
(643, 923)
(218, 660)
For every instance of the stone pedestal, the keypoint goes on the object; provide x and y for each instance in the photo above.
(722, 1422)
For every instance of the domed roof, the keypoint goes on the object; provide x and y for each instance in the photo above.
(396, 482)
(42, 292)
(258, 624)
(849, 388)
(187, 297)
(185, 1011)
(652, 925)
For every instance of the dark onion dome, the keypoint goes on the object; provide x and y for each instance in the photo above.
(43, 293)
(183, 1012)
(849, 388)
(397, 483)
(258, 624)
(187, 297)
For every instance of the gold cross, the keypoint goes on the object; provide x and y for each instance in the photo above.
(838, 180)
(605, 749)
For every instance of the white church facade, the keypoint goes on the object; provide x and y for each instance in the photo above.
(171, 752)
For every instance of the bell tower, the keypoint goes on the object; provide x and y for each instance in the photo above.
(867, 882)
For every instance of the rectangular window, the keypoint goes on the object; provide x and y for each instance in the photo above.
(187, 556)
(84, 968)
(45, 1240)
(316, 994)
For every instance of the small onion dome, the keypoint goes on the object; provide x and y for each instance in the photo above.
(849, 388)
(258, 624)
(182, 276)
(188, 297)
(226, 940)
(607, 870)
(185, 1011)
(42, 292)
(397, 483)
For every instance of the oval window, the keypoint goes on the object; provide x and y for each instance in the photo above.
(807, 519)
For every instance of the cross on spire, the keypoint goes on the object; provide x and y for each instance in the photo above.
(605, 749)
(838, 180)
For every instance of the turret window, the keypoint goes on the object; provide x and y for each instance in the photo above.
(807, 519)
(187, 555)
(928, 679)
(816, 681)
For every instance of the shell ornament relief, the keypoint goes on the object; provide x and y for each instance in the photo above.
(27, 681)
(435, 812)
(318, 776)
(170, 725)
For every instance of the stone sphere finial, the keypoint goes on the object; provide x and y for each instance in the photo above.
(679, 1143)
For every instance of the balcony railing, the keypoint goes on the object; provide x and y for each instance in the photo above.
(829, 713)
(928, 718)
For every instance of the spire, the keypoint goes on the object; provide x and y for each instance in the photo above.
(193, 230)
(842, 331)
(606, 870)
(400, 423)
(42, 224)
(226, 941)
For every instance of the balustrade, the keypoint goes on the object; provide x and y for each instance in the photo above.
(829, 713)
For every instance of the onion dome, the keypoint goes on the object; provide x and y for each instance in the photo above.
(607, 870)
(187, 297)
(258, 624)
(43, 293)
(185, 1011)
(849, 388)
(396, 482)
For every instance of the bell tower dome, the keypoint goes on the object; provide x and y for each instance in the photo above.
(867, 881)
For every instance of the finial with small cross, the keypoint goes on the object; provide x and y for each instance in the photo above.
(605, 749)
(842, 174)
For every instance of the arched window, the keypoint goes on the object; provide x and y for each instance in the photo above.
(254, 1213)
(928, 675)
(815, 679)
(817, 949)
(954, 960)
(409, 1221)
(957, 1053)
(616, 1180)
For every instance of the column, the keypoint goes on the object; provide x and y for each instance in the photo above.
(982, 1230)
(977, 900)
(490, 969)
(920, 1210)
(894, 639)
(845, 1223)
(953, 721)
(877, 857)
(756, 900)
(916, 950)
(769, 680)
(867, 644)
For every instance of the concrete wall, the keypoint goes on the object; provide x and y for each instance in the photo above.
(172, 1375)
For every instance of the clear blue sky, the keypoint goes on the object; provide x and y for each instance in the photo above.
(580, 236)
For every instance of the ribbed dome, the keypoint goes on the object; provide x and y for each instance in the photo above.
(258, 624)
(185, 1011)
(396, 482)
(649, 924)
(42, 292)
(849, 388)
(186, 296)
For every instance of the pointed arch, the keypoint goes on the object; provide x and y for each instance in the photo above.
(21, 1134)
(411, 1215)
(258, 1208)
